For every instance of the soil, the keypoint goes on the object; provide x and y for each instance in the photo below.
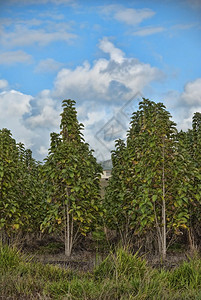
(82, 260)
(173, 260)
(85, 257)
(86, 260)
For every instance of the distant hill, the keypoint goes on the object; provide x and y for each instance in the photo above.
(107, 164)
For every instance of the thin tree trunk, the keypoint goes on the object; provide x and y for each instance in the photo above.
(71, 234)
(65, 227)
(164, 247)
(68, 228)
(67, 242)
(159, 235)
(191, 240)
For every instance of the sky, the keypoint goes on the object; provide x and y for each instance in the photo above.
(105, 55)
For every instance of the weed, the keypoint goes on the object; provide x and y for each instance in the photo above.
(9, 257)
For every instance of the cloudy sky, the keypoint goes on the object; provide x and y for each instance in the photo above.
(105, 55)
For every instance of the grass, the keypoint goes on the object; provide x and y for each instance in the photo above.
(121, 275)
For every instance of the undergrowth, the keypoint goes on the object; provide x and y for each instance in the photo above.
(121, 275)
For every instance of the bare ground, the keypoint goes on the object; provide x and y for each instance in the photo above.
(87, 260)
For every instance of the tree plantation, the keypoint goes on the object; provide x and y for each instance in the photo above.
(153, 198)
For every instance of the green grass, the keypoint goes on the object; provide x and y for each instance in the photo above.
(121, 275)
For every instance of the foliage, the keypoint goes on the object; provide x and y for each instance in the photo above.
(120, 193)
(9, 182)
(190, 145)
(20, 187)
(150, 188)
(72, 176)
(154, 191)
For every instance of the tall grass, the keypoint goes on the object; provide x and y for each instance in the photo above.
(121, 275)
(9, 257)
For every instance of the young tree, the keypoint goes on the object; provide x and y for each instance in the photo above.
(156, 173)
(119, 194)
(21, 192)
(190, 145)
(9, 206)
(73, 176)
(30, 190)
(196, 134)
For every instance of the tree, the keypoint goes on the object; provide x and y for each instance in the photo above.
(156, 174)
(196, 134)
(31, 192)
(119, 194)
(72, 175)
(9, 206)
(21, 192)
(190, 145)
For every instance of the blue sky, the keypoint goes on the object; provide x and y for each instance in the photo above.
(101, 54)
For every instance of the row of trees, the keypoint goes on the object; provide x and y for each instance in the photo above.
(60, 196)
(154, 190)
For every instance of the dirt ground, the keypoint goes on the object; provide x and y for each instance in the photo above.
(87, 260)
(87, 255)
(81, 260)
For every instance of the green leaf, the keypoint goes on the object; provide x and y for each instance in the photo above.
(154, 198)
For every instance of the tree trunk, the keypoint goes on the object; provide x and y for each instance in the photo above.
(68, 239)
(191, 239)
(164, 246)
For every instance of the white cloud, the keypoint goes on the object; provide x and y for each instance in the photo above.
(115, 53)
(13, 106)
(130, 16)
(184, 26)
(13, 57)
(192, 93)
(3, 83)
(30, 119)
(52, 15)
(115, 79)
(47, 118)
(44, 119)
(40, 31)
(47, 115)
(48, 65)
(43, 151)
(184, 105)
(17, 102)
(148, 31)
(185, 121)
(23, 36)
